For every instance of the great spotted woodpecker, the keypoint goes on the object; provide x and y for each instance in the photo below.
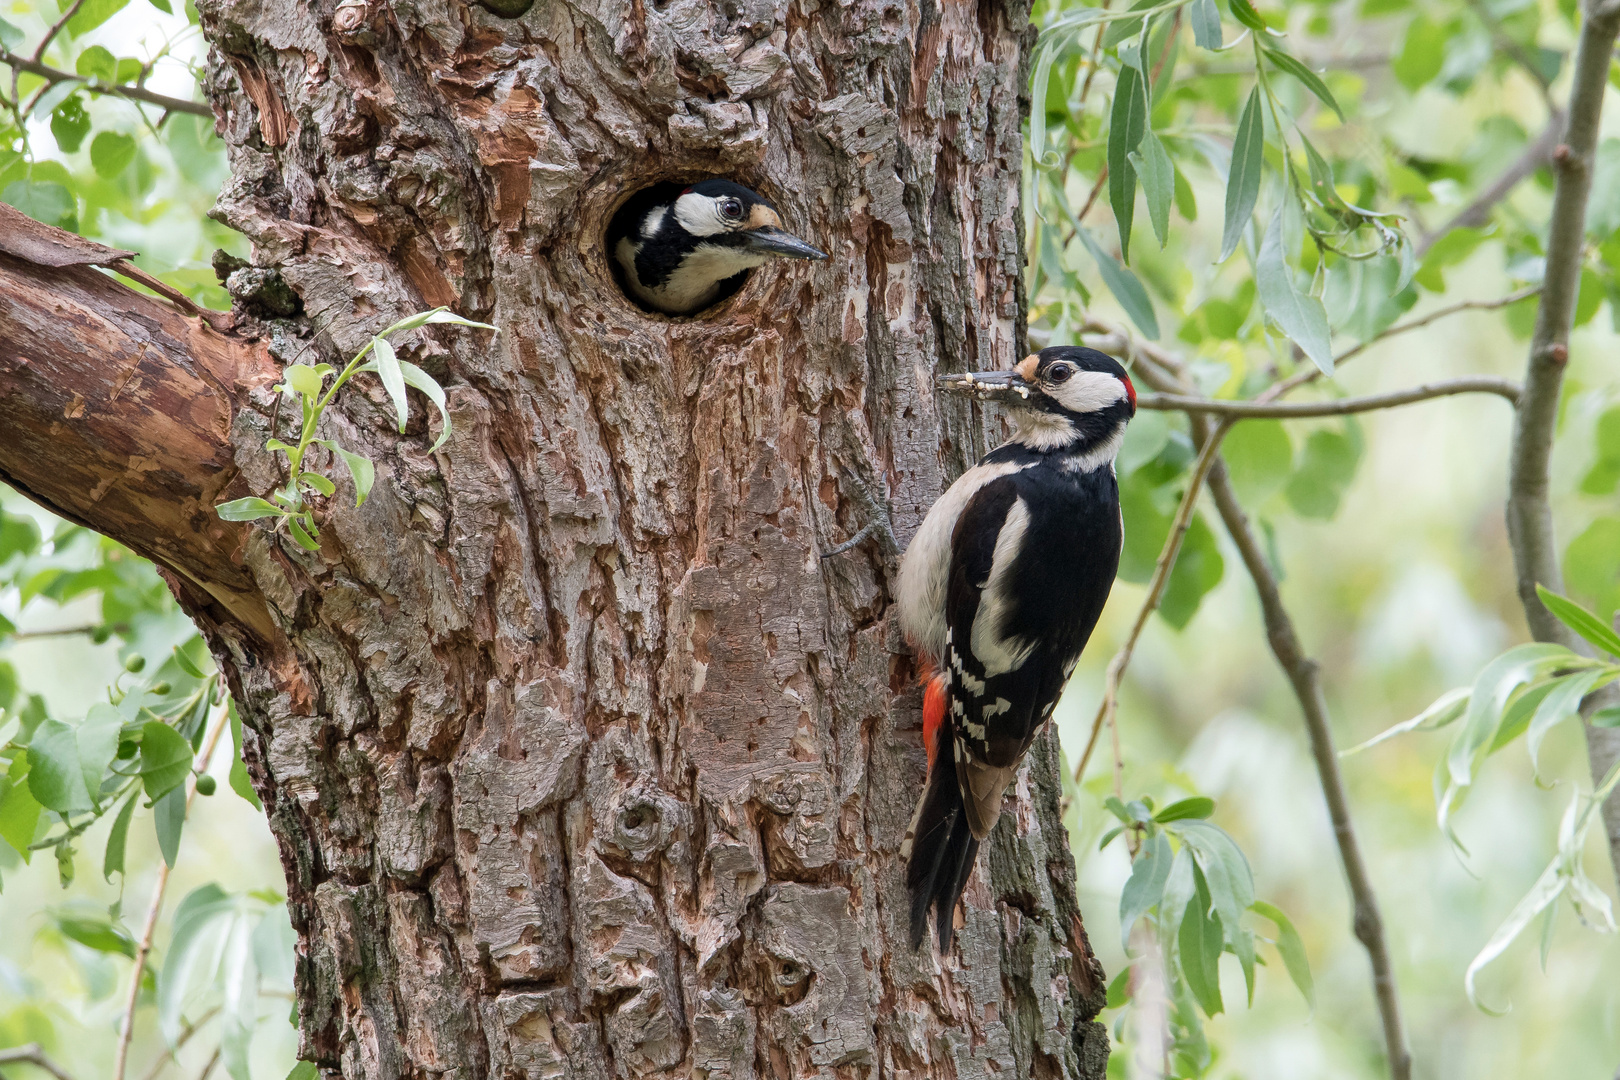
(1000, 590)
(680, 249)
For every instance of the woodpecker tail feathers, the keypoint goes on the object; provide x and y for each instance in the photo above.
(939, 847)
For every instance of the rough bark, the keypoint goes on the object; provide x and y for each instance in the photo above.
(582, 761)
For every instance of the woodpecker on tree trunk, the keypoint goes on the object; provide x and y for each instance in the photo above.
(1000, 590)
(678, 250)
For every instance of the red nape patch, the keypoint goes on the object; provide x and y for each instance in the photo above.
(688, 191)
(1130, 392)
(933, 713)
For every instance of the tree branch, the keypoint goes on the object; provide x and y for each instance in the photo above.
(33, 1054)
(1529, 511)
(117, 411)
(1165, 372)
(52, 76)
(1478, 212)
(1249, 410)
(144, 948)
(1156, 587)
(1304, 674)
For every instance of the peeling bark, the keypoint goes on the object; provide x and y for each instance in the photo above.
(581, 760)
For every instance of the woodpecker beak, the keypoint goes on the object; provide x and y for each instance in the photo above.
(993, 385)
(769, 240)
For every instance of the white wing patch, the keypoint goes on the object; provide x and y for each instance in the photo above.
(926, 566)
(997, 654)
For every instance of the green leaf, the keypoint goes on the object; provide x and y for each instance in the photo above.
(166, 759)
(92, 13)
(1422, 54)
(303, 379)
(18, 535)
(361, 469)
(197, 920)
(1489, 697)
(304, 536)
(1158, 177)
(1447, 708)
(1592, 565)
(249, 509)
(1125, 286)
(1325, 470)
(1312, 81)
(434, 315)
(1292, 948)
(304, 1070)
(1562, 702)
(241, 783)
(1597, 633)
(386, 365)
(11, 38)
(19, 815)
(1243, 179)
(1199, 806)
(94, 930)
(111, 152)
(1548, 887)
(54, 774)
(318, 482)
(1604, 474)
(1199, 948)
(1146, 884)
(51, 203)
(1206, 24)
(70, 123)
(169, 818)
(415, 376)
(1300, 315)
(98, 64)
(1126, 124)
(185, 664)
(50, 100)
(118, 839)
(1259, 459)
(1119, 988)
(1199, 568)
(1243, 11)
(98, 744)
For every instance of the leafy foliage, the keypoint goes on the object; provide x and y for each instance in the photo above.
(305, 383)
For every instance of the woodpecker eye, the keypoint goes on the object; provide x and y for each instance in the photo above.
(1059, 372)
(731, 209)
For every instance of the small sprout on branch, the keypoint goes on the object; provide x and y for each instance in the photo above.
(308, 383)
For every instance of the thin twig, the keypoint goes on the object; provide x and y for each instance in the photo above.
(144, 949)
(208, 1066)
(1096, 190)
(1161, 577)
(56, 28)
(1166, 373)
(1305, 676)
(66, 631)
(1249, 410)
(1310, 375)
(33, 1054)
(1478, 212)
(52, 76)
(1529, 510)
(185, 1035)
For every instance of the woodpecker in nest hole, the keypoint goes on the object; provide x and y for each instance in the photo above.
(1000, 590)
(678, 249)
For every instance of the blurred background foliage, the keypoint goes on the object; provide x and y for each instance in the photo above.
(1256, 191)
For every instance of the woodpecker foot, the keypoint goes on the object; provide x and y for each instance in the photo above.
(852, 541)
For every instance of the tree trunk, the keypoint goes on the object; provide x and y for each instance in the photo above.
(582, 760)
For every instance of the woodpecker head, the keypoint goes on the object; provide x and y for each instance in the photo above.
(681, 249)
(1064, 397)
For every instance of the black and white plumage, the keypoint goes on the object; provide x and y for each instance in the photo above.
(679, 249)
(1000, 589)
